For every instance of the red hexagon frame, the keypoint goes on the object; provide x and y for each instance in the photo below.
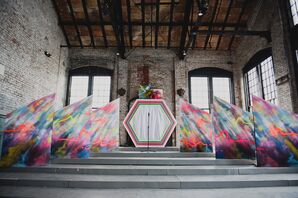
(166, 135)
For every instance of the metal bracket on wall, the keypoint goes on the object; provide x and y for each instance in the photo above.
(282, 80)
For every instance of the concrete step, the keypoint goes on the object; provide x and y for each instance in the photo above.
(35, 192)
(153, 161)
(145, 182)
(151, 170)
(165, 154)
(148, 149)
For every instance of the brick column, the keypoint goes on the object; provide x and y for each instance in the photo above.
(122, 67)
(180, 82)
(287, 95)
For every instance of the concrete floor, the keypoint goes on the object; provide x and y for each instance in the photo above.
(30, 192)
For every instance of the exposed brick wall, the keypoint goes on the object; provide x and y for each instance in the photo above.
(267, 16)
(249, 46)
(162, 68)
(27, 29)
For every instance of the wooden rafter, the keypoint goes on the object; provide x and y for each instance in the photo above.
(238, 21)
(59, 22)
(211, 22)
(225, 22)
(88, 24)
(173, 23)
(74, 21)
(101, 24)
(187, 8)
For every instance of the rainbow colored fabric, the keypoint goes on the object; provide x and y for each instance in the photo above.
(233, 131)
(104, 128)
(27, 134)
(71, 136)
(195, 128)
(276, 134)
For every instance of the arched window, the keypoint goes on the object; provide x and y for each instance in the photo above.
(204, 83)
(293, 28)
(88, 81)
(259, 78)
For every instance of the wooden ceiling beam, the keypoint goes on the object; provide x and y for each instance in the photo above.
(265, 34)
(116, 18)
(238, 21)
(143, 23)
(74, 21)
(194, 36)
(171, 23)
(101, 24)
(118, 7)
(128, 7)
(157, 22)
(211, 23)
(225, 22)
(191, 36)
(88, 23)
(187, 8)
(136, 23)
(59, 22)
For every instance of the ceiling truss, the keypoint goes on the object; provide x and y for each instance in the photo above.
(171, 24)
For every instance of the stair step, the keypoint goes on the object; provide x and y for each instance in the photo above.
(151, 170)
(148, 149)
(166, 154)
(153, 161)
(22, 192)
(157, 182)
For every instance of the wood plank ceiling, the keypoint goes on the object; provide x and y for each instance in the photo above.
(127, 24)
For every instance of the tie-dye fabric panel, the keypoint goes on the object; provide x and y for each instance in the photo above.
(233, 131)
(104, 129)
(195, 128)
(27, 134)
(71, 136)
(276, 134)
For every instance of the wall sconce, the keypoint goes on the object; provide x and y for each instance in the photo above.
(47, 54)
(282, 80)
(180, 92)
(121, 92)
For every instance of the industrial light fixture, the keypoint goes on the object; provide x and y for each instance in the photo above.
(203, 7)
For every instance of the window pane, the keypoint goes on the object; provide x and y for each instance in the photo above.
(199, 92)
(268, 78)
(253, 83)
(294, 10)
(79, 88)
(101, 90)
(221, 88)
(264, 80)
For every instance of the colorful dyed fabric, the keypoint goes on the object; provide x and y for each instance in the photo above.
(195, 128)
(71, 135)
(104, 129)
(233, 131)
(276, 134)
(27, 134)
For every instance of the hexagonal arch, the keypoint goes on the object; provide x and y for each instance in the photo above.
(149, 123)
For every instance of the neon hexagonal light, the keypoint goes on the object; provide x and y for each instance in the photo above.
(150, 123)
